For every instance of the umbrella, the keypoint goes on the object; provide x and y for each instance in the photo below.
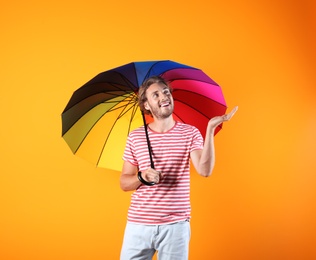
(100, 114)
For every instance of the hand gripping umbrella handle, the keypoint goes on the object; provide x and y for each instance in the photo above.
(143, 181)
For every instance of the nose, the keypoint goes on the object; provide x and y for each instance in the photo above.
(165, 95)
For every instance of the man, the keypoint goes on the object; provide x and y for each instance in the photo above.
(159, 214)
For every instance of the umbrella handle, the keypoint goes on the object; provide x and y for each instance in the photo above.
(139, 175)
(148, 143)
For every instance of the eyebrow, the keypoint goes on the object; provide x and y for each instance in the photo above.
(155, 92)
(162, 90)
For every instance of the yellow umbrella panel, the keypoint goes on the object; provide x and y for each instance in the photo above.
(99, 136)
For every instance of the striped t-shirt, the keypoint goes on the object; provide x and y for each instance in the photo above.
(168, 201)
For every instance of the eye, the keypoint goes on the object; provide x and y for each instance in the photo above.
(166, 92)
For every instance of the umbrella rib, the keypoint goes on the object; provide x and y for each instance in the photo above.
(191, 106)
(134, 107)
(154, 64)
(104, 102)
(97, 122)
(177, 115)
(199, 111)
(129, 101)
(108, 136)
(105, 92)
(126, 80)
(149, 70)
(189, 91)
(180, 78)
(198, 80)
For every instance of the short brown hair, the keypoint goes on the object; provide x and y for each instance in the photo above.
(142, 98)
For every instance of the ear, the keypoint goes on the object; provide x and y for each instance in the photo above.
(146, 106)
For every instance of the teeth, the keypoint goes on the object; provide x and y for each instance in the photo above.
(164, 104)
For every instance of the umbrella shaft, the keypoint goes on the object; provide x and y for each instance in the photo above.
(148, 142)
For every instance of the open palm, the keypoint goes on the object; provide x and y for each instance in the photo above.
(217, 120)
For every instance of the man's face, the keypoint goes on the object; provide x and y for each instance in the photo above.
(159, 100)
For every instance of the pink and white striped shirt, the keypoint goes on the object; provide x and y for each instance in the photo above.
(168, 201)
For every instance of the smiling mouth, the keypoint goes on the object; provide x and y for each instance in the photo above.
(165, 104)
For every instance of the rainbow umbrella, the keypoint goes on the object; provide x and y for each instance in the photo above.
(101, 113)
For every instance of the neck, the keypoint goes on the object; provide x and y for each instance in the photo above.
(162, 125)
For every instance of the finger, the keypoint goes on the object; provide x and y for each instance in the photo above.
(231, 113)
(157, 177)
(153, 178)
(234, 110)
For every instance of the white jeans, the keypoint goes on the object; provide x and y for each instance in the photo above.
(142, 241)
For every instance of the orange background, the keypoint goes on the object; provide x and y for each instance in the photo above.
(260, 201)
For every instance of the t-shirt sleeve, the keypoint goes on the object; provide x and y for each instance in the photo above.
(129, 152)
(197, 140)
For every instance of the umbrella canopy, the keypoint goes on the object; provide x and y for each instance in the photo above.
(101, 113)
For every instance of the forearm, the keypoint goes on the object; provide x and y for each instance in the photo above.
(207, 159)
(129, 182)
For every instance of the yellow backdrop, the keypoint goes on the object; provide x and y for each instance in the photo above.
(259, 202)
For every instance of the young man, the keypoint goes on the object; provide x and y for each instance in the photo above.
(159, 214)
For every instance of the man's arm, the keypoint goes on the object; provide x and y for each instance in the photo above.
(204, 160)
(129, 180)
